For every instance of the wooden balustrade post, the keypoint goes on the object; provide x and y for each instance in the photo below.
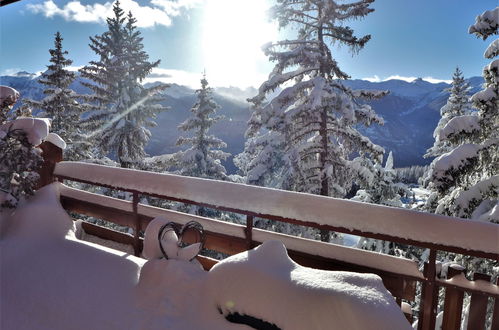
(453, 304)
(495, 317)
(429, 295)
(249, 231)
(51, 154)
(136, 229)
(478, 305)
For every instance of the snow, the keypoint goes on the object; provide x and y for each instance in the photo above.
(455, 159)
(8, 94)
(304, 298)
(419, 226)
(51, 280)
(488, 210)
(169, 241)
(36, 129)
(153, 212)
(492, 50)
(478, 192)
(485, 95)
(56, 140)
(486, 24)
(365, 258)
(84, 236)
(467, 123)
(479, 285)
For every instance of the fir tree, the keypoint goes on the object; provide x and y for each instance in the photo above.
(313, 121)
(458, 104)
(126, 108)
(378, 183)
(203, 156)
(61, 103)
(465, 179)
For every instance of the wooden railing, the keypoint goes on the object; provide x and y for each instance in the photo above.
(400, 276)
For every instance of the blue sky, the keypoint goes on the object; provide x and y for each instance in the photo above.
(423, 38)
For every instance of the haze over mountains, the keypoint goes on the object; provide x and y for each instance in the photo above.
(411, 112)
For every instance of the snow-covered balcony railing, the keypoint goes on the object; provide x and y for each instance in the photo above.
(400, 276)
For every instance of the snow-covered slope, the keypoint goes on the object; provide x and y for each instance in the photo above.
(411, 113)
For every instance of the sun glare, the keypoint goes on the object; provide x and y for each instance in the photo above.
(233, 34)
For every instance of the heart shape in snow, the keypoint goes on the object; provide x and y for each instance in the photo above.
(175, 247)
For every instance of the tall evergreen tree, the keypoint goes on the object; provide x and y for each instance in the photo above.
(61, 104)
(203, 157)
(465, 179)
(126, 108)
(313, 121)
(458, 104)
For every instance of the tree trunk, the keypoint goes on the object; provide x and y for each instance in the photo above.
(325, 235)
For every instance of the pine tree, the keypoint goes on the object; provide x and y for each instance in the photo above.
(465, 179)
(61, 104)
(203, 156)
(378, 184)
(313, 121)
(458, 104)
(126, 108)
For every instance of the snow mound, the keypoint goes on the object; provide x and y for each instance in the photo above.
(265, 283)
(56, 140)
(36, 129)
(40, 217)
(52, 280)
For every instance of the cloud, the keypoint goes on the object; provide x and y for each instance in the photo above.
(436, 81)
(404, 78)
(429, 79)
(372, 79)
(171, 76)
(159, 12)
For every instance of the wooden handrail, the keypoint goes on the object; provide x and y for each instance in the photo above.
(425, 230)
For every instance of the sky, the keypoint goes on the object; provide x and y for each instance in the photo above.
(410, 39)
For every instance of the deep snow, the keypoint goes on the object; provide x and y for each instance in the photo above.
(51, 280)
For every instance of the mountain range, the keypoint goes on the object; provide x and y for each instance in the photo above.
(411, 112)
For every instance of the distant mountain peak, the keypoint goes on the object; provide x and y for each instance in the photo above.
(25, 74)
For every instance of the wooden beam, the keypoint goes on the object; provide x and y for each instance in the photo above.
(478, 306)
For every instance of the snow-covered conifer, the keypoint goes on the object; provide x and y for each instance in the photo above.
(314, 119)
(458, 104)
(19, 159)
(61, 104)
(378, 183)
(126, 108)
(466, 178)
(203, 156)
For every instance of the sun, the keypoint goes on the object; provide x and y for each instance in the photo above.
(233, 34)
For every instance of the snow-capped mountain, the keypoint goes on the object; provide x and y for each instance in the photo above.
(411, 112)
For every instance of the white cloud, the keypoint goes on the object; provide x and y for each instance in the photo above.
(159, 12)
(372, 79)
(397, 77)
(171, 76)
(436, 81)
(429, 79)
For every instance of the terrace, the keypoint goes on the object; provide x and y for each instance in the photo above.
(400, 276)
